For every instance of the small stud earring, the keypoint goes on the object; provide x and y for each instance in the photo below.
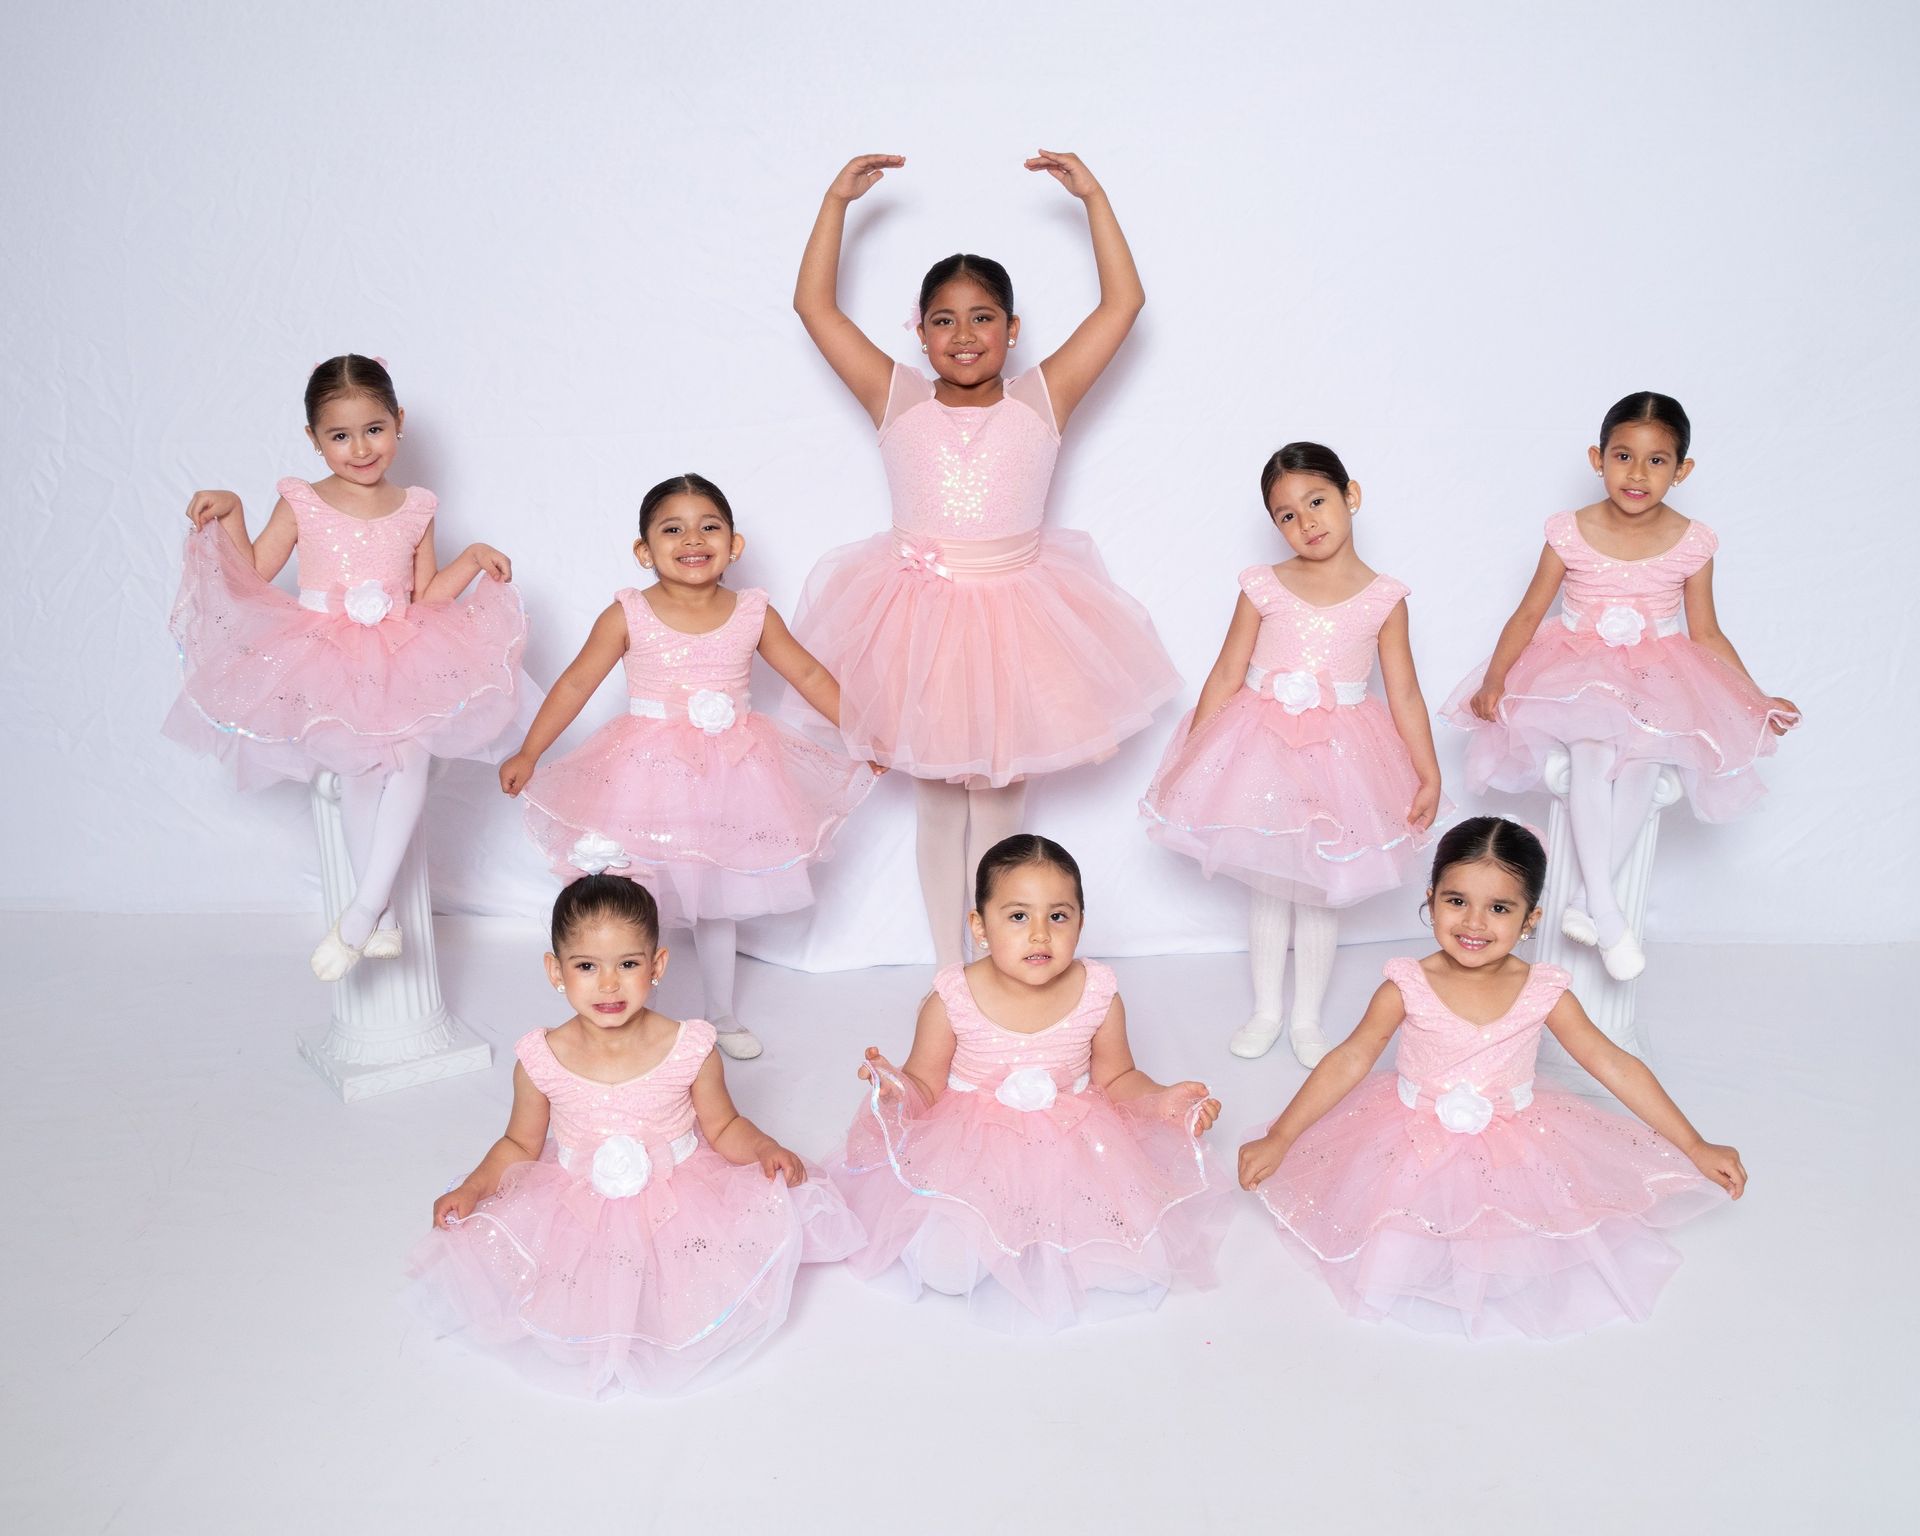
(1012, 342)
(560, 989)
(923, 346)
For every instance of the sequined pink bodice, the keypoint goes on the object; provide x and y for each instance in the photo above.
(337, 551)
(1295, 636)
(1439, 1049)
(654, 1108)
(1596, 582)
(984, 1053)
(662, 663)
(968, 472)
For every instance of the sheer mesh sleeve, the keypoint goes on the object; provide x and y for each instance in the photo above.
(908, 388)
(1030, 389)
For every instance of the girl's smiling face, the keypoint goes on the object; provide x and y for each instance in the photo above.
(1314, 515)
(608, 969)
(967, 333)
(1030, 924)
(357, 436)
(1480, 911)
(688, 541)
(1639, 466)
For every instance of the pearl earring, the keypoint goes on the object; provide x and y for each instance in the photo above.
(1012, 342)
(560, 989)
(923, 346)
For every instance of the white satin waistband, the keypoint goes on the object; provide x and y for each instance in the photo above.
(1260, 680)
(682, 1148)
(1520, 1095)
(1576, 621)
(950, 559)
(958, 1085)
(322, 600)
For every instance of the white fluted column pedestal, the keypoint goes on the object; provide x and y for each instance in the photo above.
(1609, 1003)
(390, 1029)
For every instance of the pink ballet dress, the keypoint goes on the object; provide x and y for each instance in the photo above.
(281, 687)
(971, 644)
(716, 809)
(631, 1257)
(1299, 784)
(1023, 1188)
(1616, 665)
(1455, 1195)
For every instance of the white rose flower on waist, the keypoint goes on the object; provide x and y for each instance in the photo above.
(1297, 692)
(620, 1168)
(1621, 625)
(367, 603)
(711, 710)
(1461, 1109)
(1027, 1089)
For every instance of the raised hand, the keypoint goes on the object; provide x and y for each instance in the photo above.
(878, 1069)
(212, 506)
(491, 561)
(860, 173)
(1067, 169)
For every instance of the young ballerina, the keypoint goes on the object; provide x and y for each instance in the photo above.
(1615, 680)
(373, 670)
(1453, 1194)
(717, 809)
(1289, 775)
(974, 649)
(1020, 1158)
(631, 1230)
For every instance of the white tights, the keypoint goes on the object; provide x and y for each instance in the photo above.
(1605, 812)
(714, 940)
(1316, 937)
(956, 826)
(378, 813)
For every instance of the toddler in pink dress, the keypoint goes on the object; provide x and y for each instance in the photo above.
(1455, 1193)
(1019, 1158)
(631, 1232)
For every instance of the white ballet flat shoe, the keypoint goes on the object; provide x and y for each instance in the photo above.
(333, 956)
(1579, 926)
(1624, 960)
(382, 944)
(1309, 1045)
(1255, 1038)
(740, 1044)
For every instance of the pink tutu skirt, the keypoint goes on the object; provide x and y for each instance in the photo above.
(278, 691)
(1040, 1218)
(1545, 1224)
(715, 826)
(1664, 700)
(594, 1297)
(951, 670)
(1311, 807)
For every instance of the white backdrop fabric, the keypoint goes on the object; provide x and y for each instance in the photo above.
(1441, 239)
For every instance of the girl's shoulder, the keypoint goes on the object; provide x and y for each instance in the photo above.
(696, 1041)
(1699, 543)
(907, 388)
(750, 603)
(535, 1052)
(1030, 391)
(1102, 988)
(1261, 586)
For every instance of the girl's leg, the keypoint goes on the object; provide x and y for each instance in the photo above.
(992, 815)
(940, 849)
(403, 795)
(1591, 819)
(1268, 921)
(359, 809)
(1316, 940)
(1633, 791)
(715, 941)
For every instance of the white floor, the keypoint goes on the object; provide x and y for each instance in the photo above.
(203, 1250)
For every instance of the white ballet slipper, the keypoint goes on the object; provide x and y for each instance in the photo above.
(1255, 1038)
(382, 944)
(740, 1044)
(1624, 960)
(1309, 1045)
(333, 956)
(1579, 926)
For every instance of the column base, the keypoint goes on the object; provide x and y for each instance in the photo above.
(463, 1052)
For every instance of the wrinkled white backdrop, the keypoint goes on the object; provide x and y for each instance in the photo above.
(1441, 239)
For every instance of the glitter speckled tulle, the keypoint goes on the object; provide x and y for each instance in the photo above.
(279, 691)
(714, 825)
(1311, 806)
(1545, 1223)
(1042, 1218)
(970, 645)
(1662, 699)
(651, 1293)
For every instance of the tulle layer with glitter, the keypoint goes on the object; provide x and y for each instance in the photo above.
(1665, 699)
(1311, 807)
(652, 1293)
(715, 826)
(1544, 1224)
(1040, 1218)
(983, 677)
(278, 691)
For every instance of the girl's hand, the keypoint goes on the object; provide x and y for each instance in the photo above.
(1722, 1165)
(859, 174)
(879, 1069)
(491, 561)
(1426, 802)
(1784, 716)
(878, 768)
(1486, 703)
(515, 772)
(212, 506)
(455, 1206)
(1209, 1108)
(1066, 168)
(1259, 1159)
(775, 1158)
